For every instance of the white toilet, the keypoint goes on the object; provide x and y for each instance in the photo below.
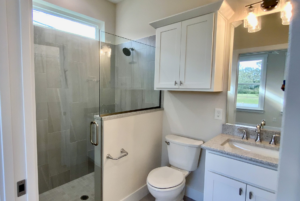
(168, 183)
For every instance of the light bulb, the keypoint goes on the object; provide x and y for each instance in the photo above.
(106, 51)
(252, 19)
(252, 22)
(286, 13)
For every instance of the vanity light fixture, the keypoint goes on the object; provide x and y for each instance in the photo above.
(268, 5)
(286, 13)
(252, 22)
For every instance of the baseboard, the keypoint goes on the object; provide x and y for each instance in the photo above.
(193, 194)
(138, 194)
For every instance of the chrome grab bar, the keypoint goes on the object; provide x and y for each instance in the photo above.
(91, 139)
(123, 152)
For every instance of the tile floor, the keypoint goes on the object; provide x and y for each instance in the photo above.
(73, 190)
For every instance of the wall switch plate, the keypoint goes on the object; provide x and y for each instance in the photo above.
(218, 113)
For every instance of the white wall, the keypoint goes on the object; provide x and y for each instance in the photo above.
(140, 135)
(133, 16)
(289, 164)
(99, 9)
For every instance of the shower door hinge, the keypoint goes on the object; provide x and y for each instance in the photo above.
(21, 188)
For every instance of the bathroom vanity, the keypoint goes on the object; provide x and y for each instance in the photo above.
(241, 164)
(240, 170)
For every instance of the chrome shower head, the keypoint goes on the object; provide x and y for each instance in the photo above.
(127, 51)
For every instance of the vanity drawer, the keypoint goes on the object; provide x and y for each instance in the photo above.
(254, 175)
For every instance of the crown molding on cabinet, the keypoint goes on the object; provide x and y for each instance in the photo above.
(222, 6)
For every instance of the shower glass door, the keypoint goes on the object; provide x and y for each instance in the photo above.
(67, 101)
(127, 75)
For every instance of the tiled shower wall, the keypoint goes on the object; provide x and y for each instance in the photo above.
(67, 96)
(134, 76)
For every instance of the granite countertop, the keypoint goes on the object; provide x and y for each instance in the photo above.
(216, 144)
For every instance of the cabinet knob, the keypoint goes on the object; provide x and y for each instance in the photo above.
(175, 83)
(240, 191)
(181, 83)
(250, 195)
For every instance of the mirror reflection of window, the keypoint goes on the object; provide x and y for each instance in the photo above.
(257, 73)
(251, 82)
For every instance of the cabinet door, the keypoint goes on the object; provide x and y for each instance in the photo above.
(219, 188)
(256, 194)
(196, 52)
(167, 58)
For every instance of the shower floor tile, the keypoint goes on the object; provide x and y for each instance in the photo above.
(72, 191)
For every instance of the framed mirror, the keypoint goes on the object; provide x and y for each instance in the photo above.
(257, 73)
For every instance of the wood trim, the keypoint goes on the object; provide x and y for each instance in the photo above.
(29, 103)
(17, 91)
(7, 176)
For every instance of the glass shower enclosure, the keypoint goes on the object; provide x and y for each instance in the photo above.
(78, 80)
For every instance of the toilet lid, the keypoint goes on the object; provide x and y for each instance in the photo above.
(165, 177)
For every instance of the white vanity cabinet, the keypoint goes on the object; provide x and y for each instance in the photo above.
(227, 179)
(256, 194)
(221, 188)
(190, 54)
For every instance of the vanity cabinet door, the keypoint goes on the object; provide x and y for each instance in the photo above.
(196, 52)
(219, 188)
(167, 59)
(256, 194)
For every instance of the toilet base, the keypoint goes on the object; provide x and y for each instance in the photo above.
(178, 198)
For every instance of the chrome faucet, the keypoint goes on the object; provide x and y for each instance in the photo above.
(259, 127)
(272, 142)
(244, 134)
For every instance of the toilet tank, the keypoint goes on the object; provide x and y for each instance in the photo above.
(183, 152)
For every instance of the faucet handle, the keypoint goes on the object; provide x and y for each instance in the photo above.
(258, 128)
(244, 133)
(263, 123)
(272, 142)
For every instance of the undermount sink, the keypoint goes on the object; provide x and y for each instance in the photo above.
(252, 148)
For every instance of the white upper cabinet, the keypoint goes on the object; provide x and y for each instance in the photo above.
(167, 56)
(190, 54)
(196, 52)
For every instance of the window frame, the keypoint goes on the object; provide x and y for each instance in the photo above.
(71, 15)
(262, 88)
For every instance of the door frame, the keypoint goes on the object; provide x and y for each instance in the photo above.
(18, 128)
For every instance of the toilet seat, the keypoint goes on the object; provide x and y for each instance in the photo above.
(165, 178)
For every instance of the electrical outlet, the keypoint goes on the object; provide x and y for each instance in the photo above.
(218, 113)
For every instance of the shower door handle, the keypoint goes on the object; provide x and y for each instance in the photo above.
(91, 133)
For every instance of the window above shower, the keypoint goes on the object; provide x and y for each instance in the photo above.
(53, 17)
(63, 24)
